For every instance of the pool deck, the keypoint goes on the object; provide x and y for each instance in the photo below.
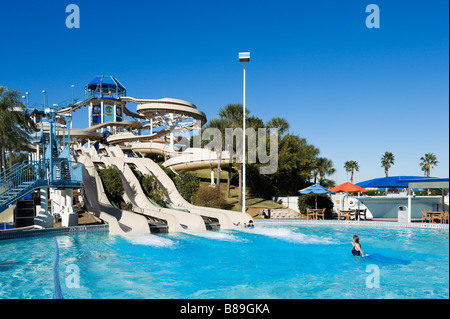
(373, 223)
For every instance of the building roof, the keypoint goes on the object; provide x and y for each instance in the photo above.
(395, 181)
(104, 84)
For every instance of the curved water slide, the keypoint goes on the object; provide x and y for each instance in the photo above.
(226, 218)
(121, 138)
(120, 221)
(176, 220)
(91, 132)
(150, 107)
(188, 160)
(198, 158)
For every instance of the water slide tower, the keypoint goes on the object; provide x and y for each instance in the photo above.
(105, 104)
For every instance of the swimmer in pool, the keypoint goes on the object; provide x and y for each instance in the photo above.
(250, 224)
(356, 250)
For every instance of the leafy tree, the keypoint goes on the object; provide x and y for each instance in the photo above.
(295, 161)
(428, 162)
(187, 184)
(322, 167)
(112, 184)
(386, 161)
(350, 167)
(209, 197)
(15, 124)
(280, 124)
(153, 190)
(296, 158)
(309, 201)
(231, 116)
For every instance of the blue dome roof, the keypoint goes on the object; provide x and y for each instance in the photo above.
(103, 84)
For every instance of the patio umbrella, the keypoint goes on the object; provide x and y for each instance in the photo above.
(388, 182)
(347, 187)
(315, 189)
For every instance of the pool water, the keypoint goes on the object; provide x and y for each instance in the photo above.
(288, 261)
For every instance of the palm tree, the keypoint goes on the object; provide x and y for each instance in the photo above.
(220, 124)
(350, 167)
(386, 161)
(279, 123)
(325, 168)
(232, 114)
(14, 123)
(428, 162)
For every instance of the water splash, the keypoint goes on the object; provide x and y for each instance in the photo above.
(221, 236)
(289, 235)
(152, 240)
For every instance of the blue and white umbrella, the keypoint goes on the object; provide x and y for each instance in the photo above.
(315, 189)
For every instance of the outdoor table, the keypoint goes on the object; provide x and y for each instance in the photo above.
(433, 215)
(346, 213)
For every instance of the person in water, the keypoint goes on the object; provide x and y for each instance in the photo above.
(356, 250)
(250, 224)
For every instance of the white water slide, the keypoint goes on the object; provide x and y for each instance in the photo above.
(226, 218)
(120, 221)
(181, 216)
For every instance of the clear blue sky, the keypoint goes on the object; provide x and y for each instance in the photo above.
(353, 92)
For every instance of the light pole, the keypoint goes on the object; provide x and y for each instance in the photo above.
(243, 57)
(73, 100)
(45, 98)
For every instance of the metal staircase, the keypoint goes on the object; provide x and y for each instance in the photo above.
(22, 178)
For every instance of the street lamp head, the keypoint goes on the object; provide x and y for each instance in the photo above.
(73, 86)
(244, 56)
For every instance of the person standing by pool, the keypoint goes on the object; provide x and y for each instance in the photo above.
(356, 250)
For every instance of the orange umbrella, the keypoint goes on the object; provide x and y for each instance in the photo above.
(347, 187)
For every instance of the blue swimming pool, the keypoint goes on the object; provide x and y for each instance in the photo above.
(287, 261)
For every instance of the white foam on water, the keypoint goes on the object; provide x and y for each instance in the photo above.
(289, 235)
(221, 236)
(152, 240)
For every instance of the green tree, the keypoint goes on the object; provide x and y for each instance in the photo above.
(15, 124)
(153, 190)
(322, 167)
(209, 197)
(280, 124)
(231, 116)
(428, 162)
(351, 167)
(221, 124)
(309, 201)
(112, 184)
(386, 161)
(187, 184)
(295, 161)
